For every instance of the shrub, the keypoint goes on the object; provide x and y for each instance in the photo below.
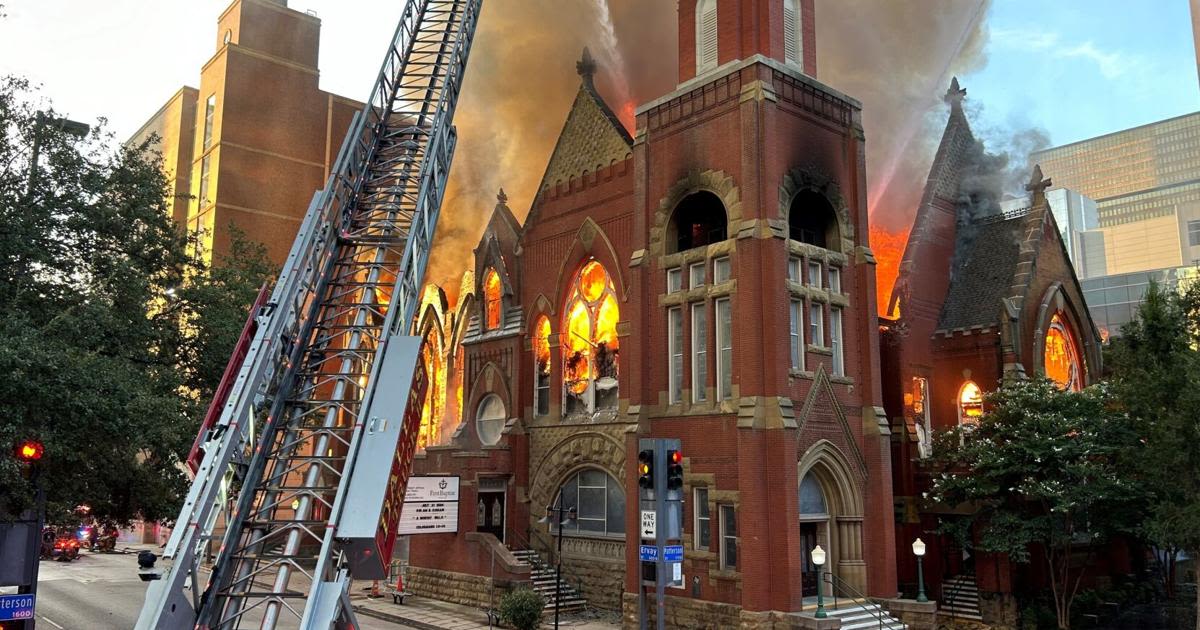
(522, 609)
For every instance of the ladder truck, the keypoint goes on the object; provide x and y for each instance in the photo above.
(303, 471)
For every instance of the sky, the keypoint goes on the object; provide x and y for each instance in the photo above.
(1072, 68)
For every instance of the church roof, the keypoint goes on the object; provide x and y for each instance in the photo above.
(986, 274)
(592, 136)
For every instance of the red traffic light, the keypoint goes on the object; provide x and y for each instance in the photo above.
(676, 457)
(30, 451)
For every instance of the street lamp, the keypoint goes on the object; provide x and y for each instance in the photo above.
(919, 552)
(564, 517)
(818, 558)
(42, 120)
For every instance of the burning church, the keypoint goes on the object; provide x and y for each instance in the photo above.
(706, 278)
(982, 296)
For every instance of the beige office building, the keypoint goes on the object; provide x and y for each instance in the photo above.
(251, 145)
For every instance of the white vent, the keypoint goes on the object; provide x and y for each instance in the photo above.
(793, 51)
(706, 35)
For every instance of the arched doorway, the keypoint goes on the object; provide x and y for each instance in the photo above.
(830, 515)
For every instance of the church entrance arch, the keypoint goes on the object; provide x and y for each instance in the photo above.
(830, 515)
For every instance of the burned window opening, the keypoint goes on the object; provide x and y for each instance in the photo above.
(698, 220)
(812, 220)
(541, 359)
(590, 347)
(492, 300)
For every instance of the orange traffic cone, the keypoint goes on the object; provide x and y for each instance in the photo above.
(375, 589)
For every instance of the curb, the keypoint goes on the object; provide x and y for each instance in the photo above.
(396, 619)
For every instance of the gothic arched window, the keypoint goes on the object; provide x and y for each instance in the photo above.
(970, 404)
(599, 503)
(492, 301)
(1061, 355)
(706, 35)
(590, 346)
(541, 366)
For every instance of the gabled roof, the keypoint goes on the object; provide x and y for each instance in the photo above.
(986, 274)
(592, 136)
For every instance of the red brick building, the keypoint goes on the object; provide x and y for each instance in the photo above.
(982, 296)
(708, 278)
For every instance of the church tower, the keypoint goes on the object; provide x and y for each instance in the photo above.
(715, 32)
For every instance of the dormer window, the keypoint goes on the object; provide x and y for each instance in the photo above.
(706, 35)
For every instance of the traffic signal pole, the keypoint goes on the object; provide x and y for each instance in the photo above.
(660, 483)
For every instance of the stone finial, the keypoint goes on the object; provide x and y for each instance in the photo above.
(955, 95)
(1037, 183)
(501, 197)
(586, 66)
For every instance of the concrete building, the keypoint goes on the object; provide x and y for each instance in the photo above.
(249, 147)
(706, 278)
(1146, 183)
(1114, 300)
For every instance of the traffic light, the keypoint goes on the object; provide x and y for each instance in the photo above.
(674, 470)
(29, 451)
(646, 469)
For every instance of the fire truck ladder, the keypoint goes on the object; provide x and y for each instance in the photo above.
(281, 459)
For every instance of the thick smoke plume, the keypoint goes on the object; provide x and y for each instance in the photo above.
(897, 57)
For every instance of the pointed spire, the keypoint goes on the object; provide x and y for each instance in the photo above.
(501, 198)
(955, 95)
(586, 66)
(1037, 186)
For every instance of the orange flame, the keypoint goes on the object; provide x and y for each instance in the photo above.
(491, 297)
(889, 249)
(592, 317)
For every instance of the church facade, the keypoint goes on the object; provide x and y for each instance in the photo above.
(707, 277)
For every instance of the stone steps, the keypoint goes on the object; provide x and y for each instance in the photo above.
(866, 616)
(960, 599)
(543, 578)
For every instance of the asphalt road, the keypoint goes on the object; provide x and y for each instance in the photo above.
(103, 592)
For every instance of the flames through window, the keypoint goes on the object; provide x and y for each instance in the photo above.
(541, 358)
(970, 404)
(1062, 355)
(590, 346)
(491, 300)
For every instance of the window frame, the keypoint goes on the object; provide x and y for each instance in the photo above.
(674, 355)
(796, 334)
(727, 513)
(575, 530)
(795, 270)
(205, 181)
(815, 277)
(1193, 233)
(694, 270)
(837, 341)
(210, 113)
(542, 392)
(674, 274)
(722, 263)
(503, 419)
(699, 357)
(835, 280)
(724, 348)
(796, 22)
(701, 523)
(816, 324)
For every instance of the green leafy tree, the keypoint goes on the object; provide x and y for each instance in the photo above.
(87, 254)
(1156, 374)
(114, 338)
(1046, 472)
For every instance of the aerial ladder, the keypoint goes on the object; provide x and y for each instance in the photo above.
(302, 473)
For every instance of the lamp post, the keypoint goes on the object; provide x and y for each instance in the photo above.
(556, 514)
(919, 552)
(818, 558)
(42, 120)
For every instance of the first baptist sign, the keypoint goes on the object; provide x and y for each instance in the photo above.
(430, 506)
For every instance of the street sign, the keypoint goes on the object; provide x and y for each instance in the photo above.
(649, 523)
(673, 553)
(648, 553)
(16, 607)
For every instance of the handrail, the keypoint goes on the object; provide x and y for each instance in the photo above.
(837, 582)
(951, 597)
(552, 551)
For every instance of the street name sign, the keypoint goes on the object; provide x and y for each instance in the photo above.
(13, 607)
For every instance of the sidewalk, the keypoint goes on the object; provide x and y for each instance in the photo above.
(431, 614)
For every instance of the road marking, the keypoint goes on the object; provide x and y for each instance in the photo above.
(47, 620)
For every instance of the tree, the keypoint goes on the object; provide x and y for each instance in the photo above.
(113, 335)
(1047, 473)
(1156, 375)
